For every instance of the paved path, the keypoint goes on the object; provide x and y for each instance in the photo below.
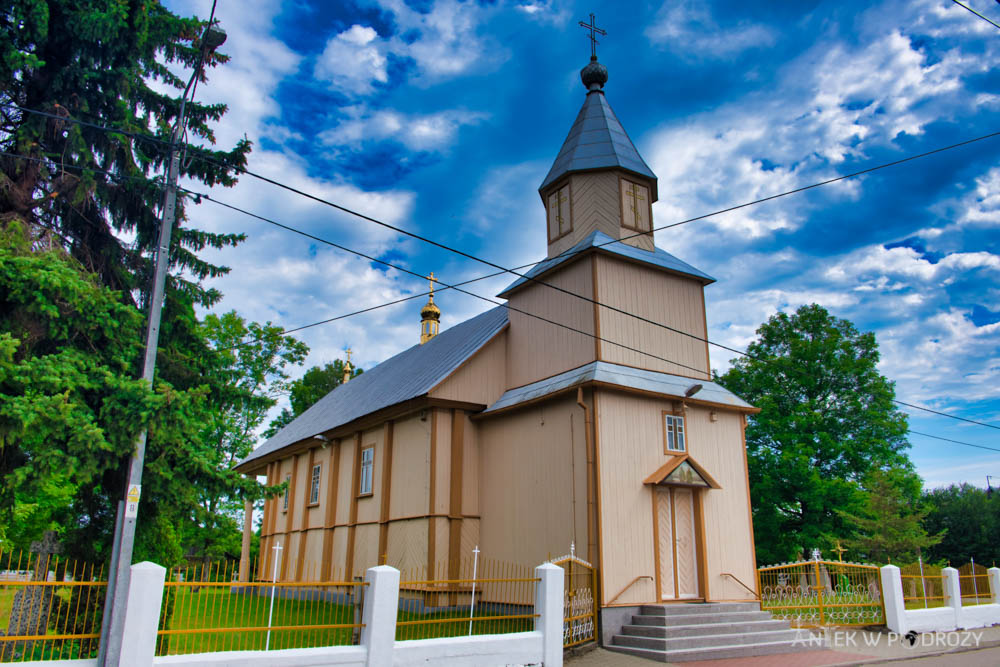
(847, 647)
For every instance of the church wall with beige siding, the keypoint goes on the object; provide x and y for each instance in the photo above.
(664, 298)
(527, 461)
(537, 349)
(634, 424)
(410, 468)
(718, 447)
(482, 379)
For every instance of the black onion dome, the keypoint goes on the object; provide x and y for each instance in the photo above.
(594, 75)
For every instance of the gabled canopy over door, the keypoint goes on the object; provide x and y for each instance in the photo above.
(676, 503)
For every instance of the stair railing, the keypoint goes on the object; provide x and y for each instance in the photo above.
(755, 594)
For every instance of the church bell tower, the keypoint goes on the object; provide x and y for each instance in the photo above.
(598, 182)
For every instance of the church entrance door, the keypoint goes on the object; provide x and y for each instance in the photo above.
(676, 531)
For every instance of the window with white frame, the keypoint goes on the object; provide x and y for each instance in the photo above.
(674, 431)
(314, 484)
(288, 485)
(367, 469)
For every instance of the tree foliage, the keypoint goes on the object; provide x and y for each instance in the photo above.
(890, 528)
(79, 214)
(250, 377)
(105, 62)
(303, 393)
(970, 520)
(826, 421)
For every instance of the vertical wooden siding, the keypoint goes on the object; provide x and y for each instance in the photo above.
(664, 298)
(537, 349)
(527, 483)
(718, 447)
(630, 427)
(481, 379)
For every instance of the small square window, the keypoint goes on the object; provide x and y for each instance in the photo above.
(288, 486)
(674, 431)
(367, 469)
(314, 484)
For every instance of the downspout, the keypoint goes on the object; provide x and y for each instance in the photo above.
(592, 553)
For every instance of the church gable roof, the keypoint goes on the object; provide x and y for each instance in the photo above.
(409, 374)
(597, 140)
(601, 242)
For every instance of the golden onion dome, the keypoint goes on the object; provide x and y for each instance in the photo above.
(430, 311)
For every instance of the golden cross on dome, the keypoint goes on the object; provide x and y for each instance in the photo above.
(592, 27)
(431, 280)
(348, 350)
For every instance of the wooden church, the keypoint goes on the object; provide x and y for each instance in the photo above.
(513, 433)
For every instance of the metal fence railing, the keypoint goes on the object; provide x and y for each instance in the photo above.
(974, 584)
(470, 597)
(205, 609)
(923, 586)
(819, 593)
(50, 608)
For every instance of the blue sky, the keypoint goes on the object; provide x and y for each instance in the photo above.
(443, 117)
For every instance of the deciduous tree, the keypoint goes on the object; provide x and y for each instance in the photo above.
(826, 420)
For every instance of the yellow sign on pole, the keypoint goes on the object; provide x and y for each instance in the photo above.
(132, 500)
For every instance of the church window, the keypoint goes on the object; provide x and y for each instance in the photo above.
(367, 468)
(314, 484)
(560, 221)
(674, 432)
(288, 485)
(635, 206)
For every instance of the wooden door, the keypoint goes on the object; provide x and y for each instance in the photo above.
(677, 544)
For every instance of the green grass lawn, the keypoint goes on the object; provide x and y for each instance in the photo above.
(229, 621)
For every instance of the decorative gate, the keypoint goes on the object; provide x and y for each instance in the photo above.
(818, 592)
(579, 608)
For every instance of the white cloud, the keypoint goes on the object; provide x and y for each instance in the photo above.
(443, 43)
(353, 61)
(418, 132)
(691, 31)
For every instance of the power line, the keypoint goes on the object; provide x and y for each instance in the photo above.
(501, 272)
(957, 442)
(945, 414)
(462, 253)
(976, 13)
(514, 271)
(454, 287)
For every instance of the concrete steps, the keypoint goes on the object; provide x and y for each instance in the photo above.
(712, 631)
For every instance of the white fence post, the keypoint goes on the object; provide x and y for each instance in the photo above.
(379, 616)
(549, 607)
(142, 614)
(952, 593)
(892, 597)
(994, 575)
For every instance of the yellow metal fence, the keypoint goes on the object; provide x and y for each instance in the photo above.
(50, 608)
(205, 609)
(579, 601)
(974, 584)
(819, 593)
(923, 586)
(470, 597)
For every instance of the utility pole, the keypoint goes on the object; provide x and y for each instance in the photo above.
(113, 622)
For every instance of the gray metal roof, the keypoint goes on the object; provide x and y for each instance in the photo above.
(597, 140)
(603, 242)
(623, 376)
(409, 374)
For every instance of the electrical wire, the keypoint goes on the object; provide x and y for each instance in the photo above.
(976, 13)
(515, 272)
(570, 252)
(957, 442)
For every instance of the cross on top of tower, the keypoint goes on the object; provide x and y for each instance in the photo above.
(431, 280)
(594, 30)
(349, 351)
